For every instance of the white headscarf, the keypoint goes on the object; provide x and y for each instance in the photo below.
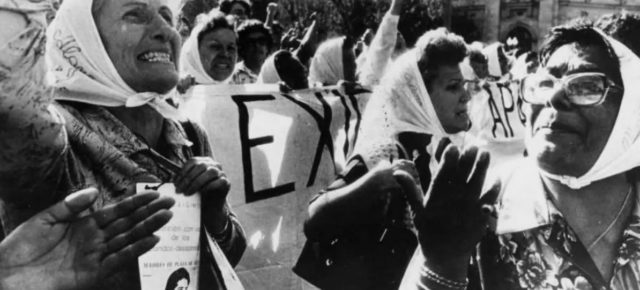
(326, 65)
(491, 51)
(80, 69)
(401, 103)
(622, 151)
(268, 72)
(190, 62)
(21, 66)
(467, 70)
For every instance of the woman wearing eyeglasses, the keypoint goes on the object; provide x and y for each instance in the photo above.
(569, 217)
(254, 46)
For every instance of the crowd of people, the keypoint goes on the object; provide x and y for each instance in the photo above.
(89, 91)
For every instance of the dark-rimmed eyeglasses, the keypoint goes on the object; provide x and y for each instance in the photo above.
(581, 89)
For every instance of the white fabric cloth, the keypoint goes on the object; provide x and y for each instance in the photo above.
(377, 57)
(491, 51)
(519, 69)
(401, 103)
(268, 72)
(28, 6)
(467, 70)
(326, 65)
(80, 69)
(622, 151)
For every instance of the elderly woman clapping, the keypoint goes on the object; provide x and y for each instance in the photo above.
(568, 218)
(112, 64)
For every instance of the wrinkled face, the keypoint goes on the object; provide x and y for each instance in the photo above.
(141, 42)
(568, 139)
(239, 11)
(218, 53)
(255, 49)
(450, 98)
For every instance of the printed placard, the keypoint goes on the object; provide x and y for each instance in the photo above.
(175, 260)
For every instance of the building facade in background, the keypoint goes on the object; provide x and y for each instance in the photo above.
(526, 20)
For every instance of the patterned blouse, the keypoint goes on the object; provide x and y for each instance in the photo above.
(102, 152)
(535, 248)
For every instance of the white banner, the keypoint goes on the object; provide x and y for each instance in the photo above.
(278, 149)
(498, 123)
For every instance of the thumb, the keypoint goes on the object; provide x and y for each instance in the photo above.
(71, 205)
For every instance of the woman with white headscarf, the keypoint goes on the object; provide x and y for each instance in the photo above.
(112, 64)
(420, 100)
(333, 61)
(569, 217)
(210, 53)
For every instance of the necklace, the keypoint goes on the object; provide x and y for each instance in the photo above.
(613, 222)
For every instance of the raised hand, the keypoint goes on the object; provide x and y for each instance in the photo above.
(60, 248)
(272, 8)
(308, 43)
(382, 184)
(455, 217)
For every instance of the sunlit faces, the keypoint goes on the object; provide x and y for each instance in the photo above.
(450, 99)
(218, 52)
(141, 42)
(567, 139)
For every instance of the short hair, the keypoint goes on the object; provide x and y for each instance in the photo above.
(624, 27)
(582, 35)
(437, 48)
(212, 21)
(175, 277)
(225, 5)
(476, 55)
(250, 26)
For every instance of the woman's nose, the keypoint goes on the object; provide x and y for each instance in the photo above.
(161, 29)
(558, 99)
(466, 96)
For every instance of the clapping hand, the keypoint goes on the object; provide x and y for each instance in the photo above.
(60, 248)
(454, 216)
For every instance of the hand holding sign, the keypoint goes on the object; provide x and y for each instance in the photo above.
(66, 251)
(204, 175)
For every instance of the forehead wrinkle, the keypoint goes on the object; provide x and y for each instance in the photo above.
(569, 59)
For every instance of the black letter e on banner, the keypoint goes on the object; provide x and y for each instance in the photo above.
(250, 194)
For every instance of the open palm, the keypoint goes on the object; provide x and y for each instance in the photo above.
(58, 249)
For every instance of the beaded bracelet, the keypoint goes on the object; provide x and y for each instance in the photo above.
(442, 281)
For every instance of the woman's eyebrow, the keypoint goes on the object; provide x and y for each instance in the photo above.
(587, 67)
(136, 3)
